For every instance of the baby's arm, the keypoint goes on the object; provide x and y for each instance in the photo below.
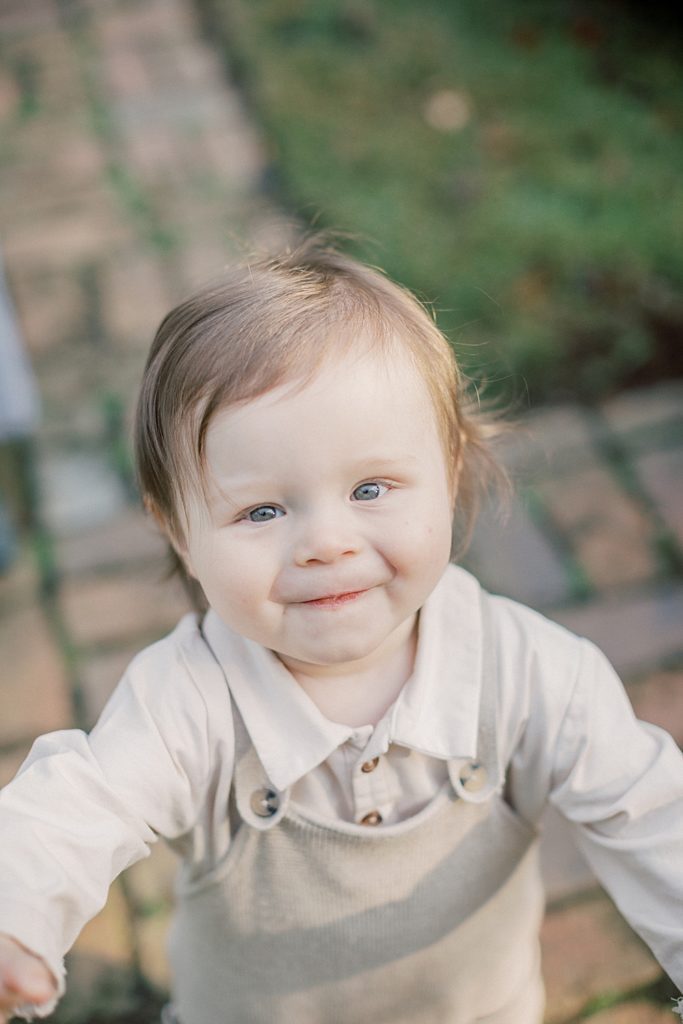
(24, 979)
(620, 782)
(83, 808)
(572, 739)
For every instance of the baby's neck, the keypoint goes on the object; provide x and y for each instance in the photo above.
(359, 693)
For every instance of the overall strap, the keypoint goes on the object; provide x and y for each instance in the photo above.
(259, 803)
(475, 780)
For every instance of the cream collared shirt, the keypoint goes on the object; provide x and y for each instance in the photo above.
(159, 763)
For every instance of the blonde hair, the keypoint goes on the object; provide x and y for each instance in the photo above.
(276, 320)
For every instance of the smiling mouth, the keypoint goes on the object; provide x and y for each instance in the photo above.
(334, 600)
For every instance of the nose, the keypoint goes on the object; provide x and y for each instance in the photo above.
(325, 538)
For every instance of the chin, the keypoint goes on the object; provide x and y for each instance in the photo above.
(340, 654)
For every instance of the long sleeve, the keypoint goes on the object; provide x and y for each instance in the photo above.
(620, 783)
(85, 807)
(572, 739)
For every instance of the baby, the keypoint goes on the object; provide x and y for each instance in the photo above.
(351, 749)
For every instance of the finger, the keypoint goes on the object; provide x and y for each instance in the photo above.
(29, 981)
(26, 980)
(8, 1004)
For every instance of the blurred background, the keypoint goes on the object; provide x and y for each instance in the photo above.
(518, 165)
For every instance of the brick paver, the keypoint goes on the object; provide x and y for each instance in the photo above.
(641, 416)
(634, 1013)
(152, 935)
(111, 610)
(107, 936)
(19, 587)
(35, 696)
(548, 440)
(658, 698)
(512, 555)
(130, 174)
(588, 951)
(135, 296)
(99, 674)
(80, 489)
(612, 535)
(662, 476)
(126, 539)
(11, 762)
(51, 303)
(636, 630)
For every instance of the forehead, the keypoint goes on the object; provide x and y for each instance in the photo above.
(364, 380)
(347, 402)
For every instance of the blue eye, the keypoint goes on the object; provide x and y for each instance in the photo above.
(264, 513)
(369, 491)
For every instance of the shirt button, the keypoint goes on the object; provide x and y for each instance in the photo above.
(373, 818)
(264, 802)
(370, 766)
(473, 777)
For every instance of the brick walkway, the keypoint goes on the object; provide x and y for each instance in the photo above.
(130, 173)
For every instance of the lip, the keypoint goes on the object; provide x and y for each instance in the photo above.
(335, 600)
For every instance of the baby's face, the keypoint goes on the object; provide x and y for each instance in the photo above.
(329, 514)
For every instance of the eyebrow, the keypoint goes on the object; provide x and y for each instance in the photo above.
(387, 460)
(221, 497)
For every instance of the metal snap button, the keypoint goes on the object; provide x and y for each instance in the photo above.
(264, 802)
(473, 777)
(370, 766)
(373, 818)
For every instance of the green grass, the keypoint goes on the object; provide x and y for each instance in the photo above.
(542, 227)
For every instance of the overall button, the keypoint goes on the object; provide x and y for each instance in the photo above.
(473, 777)
(370, 766)
(373, 818)
(264, 802)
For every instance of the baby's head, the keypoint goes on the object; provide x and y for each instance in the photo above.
(278, 321)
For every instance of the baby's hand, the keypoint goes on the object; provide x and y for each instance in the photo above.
(24, 978)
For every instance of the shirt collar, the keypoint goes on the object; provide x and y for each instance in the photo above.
(436, 712)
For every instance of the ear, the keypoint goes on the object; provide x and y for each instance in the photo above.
(183, 554)
(177, 542)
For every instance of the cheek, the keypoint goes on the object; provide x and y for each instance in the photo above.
(420, 542)
(436, 540)
(234, 571)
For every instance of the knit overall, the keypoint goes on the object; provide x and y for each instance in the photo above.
(310, 920)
